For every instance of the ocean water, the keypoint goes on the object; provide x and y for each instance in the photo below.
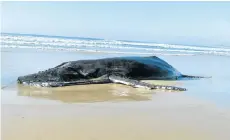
(25, 54)
(72, 44)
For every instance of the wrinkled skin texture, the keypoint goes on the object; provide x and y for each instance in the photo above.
(87, 69)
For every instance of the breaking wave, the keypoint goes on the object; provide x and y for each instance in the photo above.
(56, 43)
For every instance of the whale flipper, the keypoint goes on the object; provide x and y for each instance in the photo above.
(139, 84)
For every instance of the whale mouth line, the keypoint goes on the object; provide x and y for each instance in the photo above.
(64, 83)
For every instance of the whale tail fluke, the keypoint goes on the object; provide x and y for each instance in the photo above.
(195, 77)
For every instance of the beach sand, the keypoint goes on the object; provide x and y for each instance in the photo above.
(102, 115)
(112, 111)
(171, 117)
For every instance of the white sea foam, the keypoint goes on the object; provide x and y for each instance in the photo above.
(105, 46)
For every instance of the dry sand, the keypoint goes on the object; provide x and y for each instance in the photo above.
(147, 116)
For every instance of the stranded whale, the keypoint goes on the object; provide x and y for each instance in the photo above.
(123, 70)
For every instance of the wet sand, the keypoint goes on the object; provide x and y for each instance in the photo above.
(164, 116)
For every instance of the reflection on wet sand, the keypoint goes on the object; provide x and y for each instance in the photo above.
(92, 93)
(169, 116)
(87, 93)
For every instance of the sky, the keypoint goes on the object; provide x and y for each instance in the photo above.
(187, 23)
